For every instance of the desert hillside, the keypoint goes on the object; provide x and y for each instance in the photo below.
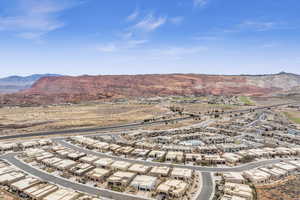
(13, 84)
(84, 88)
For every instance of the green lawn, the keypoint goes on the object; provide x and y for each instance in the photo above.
(246, 101)
(292, 117)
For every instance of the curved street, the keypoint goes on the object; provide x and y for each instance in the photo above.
(10, 158)
(150, 163)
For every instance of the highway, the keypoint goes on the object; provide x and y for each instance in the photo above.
(124, 126)
(10, 158)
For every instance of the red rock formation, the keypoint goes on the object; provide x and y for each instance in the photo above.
(86, 88)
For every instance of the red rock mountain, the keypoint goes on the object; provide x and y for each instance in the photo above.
(84, 88)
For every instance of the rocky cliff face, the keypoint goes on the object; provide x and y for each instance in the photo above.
(13, 84)
(84, 88)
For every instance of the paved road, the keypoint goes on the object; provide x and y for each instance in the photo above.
(89, 130)
(66, 183)
(125, 126)
(207, 187)
(150, 163)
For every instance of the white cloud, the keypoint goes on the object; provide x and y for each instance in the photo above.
(269, 45)
(175, 52)
(176, 20)
(126, 35)
(30, 35)
(35, 17)
(150, 23)
(118, 46)
(258, 25)
(135, 43)
(200, 3)
(206, 38)
(133, 15)
(107, 48)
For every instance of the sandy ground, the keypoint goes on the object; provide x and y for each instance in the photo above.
(45, 118)
(31, 119)
(6, 196)
(287, 189)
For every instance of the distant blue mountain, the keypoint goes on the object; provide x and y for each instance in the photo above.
(16, 83)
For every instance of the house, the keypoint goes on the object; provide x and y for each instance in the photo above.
(63, 194)
(160, 171)
(172, 188)
(89, 159)
(174, 156)
(120, 165)
(140, 152)
(11, 177)
(233, 177)
(144, 183)
(157, 154)
(24, 184)
(98, 174)
(182, 174)
(257, 176)
(39, 191)
(239, 190)
(81, 169)
(232, 157)
(104, 162)
(139, 169)
(120, 179)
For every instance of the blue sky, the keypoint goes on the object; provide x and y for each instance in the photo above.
(149, 36)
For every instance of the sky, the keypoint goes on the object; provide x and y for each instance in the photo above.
(75, 37)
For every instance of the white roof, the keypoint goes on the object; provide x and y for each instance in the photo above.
(62, 194)
(142, 181)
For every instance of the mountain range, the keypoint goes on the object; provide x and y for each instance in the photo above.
(13, 84)
(63, 89)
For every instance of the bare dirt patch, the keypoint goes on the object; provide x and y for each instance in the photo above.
(287, 189)
(44, 118)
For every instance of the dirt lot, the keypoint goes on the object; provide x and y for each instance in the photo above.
(44, 118)
(287, 189)
(6, 196)
(32, 119)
